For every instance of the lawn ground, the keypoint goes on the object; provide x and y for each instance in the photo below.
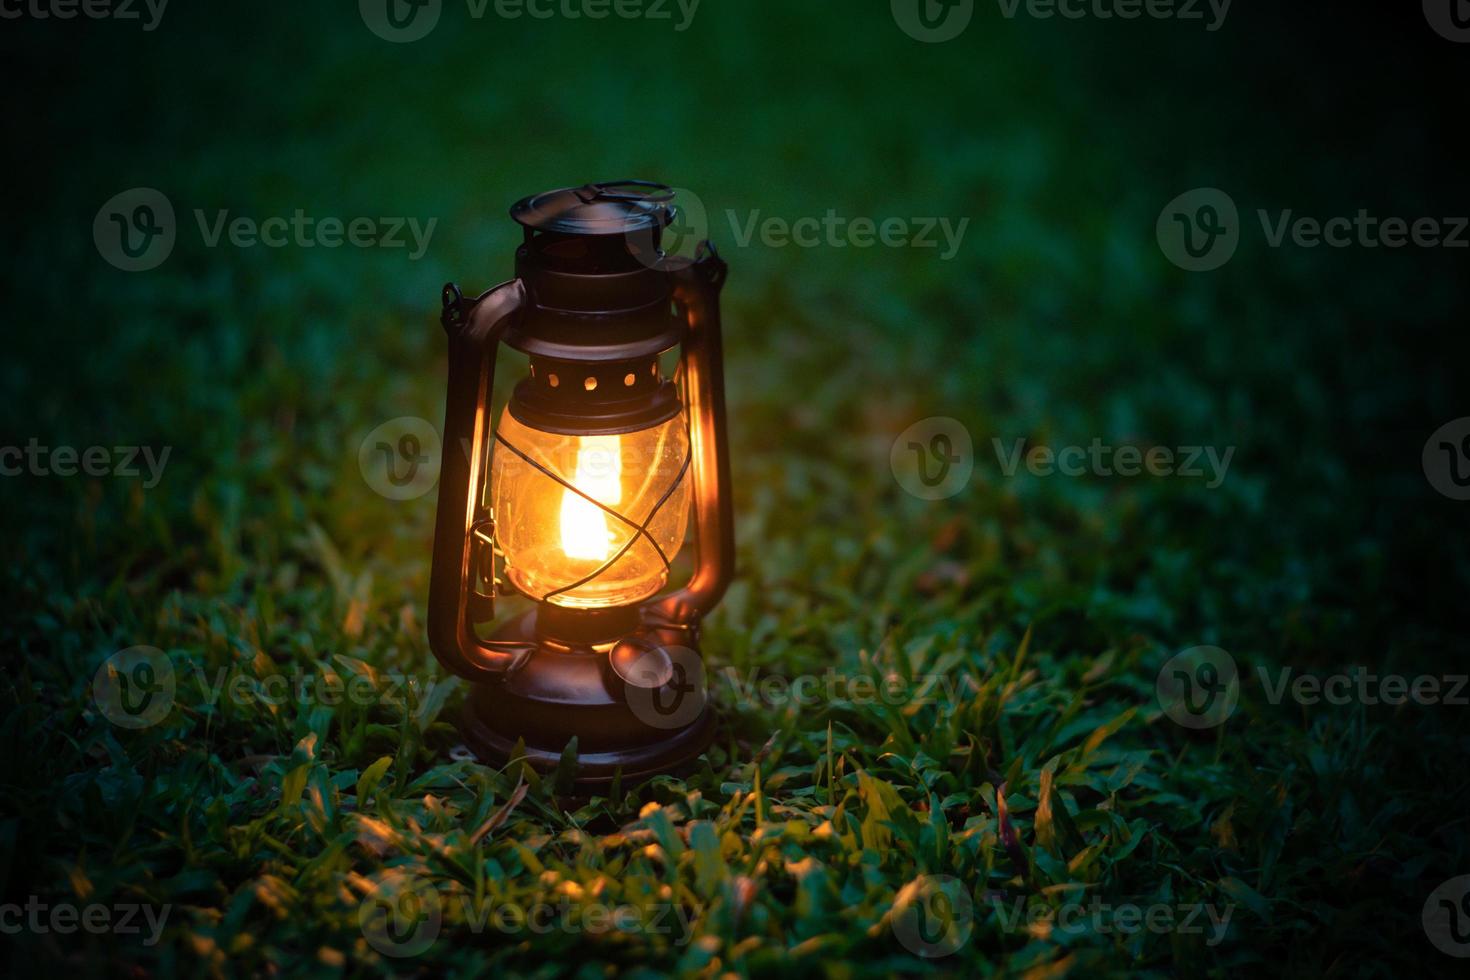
(1038, 774)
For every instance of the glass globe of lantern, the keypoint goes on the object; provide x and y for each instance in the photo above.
(558, 544)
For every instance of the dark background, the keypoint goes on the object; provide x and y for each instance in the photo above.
(1058, 321)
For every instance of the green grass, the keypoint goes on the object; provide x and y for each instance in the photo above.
(1050, 774)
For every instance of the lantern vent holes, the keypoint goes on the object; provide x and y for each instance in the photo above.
(610, 396)
(618, 379)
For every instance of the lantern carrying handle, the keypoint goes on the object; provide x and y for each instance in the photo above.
(697, 285)
(464, 529)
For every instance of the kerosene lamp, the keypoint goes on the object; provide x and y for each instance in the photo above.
(593, 470)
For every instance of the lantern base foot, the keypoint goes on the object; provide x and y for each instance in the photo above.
(636, 703)
(595, 770)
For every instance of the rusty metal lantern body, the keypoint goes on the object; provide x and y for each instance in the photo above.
(598, 461)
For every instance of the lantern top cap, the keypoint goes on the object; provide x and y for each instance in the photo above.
(610, 207)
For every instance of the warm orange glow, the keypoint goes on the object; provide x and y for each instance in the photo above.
(552, 538)
(584, 530)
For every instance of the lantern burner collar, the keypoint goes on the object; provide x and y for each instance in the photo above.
(610, 207)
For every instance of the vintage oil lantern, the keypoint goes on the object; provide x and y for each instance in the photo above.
(594, 470)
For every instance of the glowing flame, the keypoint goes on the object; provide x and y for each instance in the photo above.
(584, 525)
